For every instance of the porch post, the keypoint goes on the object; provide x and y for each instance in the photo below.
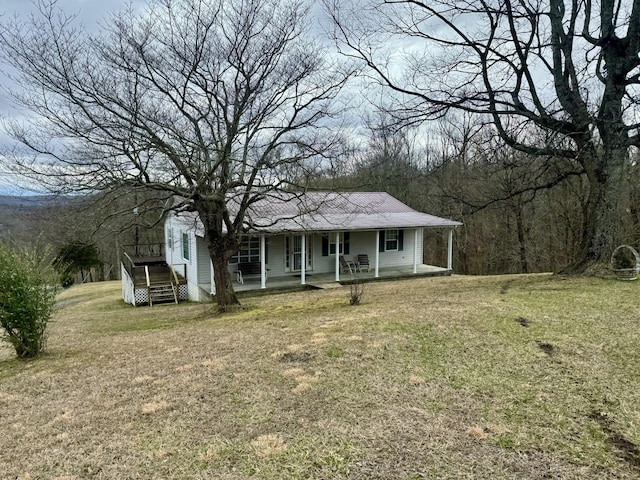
(337, 256)
(415, 251)
(303, 266)
(263, 268)
(213, 282)
(377, 267)
(450, 250)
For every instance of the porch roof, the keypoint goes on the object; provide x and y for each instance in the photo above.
(330, 211)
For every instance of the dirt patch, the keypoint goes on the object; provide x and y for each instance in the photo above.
(545, 347)
(627, 450)
(65, 303)
(295, 357)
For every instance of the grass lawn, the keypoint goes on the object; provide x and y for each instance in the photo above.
(510, 377)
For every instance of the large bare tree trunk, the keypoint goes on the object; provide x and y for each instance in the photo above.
(601, 220)
(225, 295)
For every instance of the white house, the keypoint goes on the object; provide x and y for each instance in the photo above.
(315, 236)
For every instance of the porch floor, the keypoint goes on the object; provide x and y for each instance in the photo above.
(327, 280)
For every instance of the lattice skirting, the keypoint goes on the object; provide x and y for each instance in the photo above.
(183, 292)
(142, 296)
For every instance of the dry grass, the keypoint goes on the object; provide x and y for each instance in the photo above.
(527, 377)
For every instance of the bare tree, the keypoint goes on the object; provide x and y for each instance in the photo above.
(557, 79)
(217, 103)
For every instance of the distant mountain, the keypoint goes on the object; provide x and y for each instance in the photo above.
(30, 201)
(21, 216)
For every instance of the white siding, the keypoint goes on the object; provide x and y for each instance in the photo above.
(128, 293)
(174, 229)
(365, 243)
(276, 256)
(203, 261)
(402, 257)
(198, 266)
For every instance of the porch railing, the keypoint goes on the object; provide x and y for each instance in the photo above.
(144, 250)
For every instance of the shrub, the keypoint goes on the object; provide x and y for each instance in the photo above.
(356, 291)
(73, 258)
(28, 286)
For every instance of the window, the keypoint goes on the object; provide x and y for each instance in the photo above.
(391, 240)
(249, 251)
(329, 243)
(332, 244)
(185, 246)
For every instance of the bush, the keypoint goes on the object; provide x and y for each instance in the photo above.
(28, 286)
(73, 258)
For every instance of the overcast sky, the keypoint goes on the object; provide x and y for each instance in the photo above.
(90, 14)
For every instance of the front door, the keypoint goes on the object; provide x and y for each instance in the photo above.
(294, 254)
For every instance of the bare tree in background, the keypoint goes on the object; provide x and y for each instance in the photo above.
(556, 79)
(218, 103)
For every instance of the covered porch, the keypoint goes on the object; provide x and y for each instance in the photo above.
(327, 280)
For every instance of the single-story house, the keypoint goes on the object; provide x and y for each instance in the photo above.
(328, 236)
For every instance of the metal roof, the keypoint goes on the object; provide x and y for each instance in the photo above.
(331, 211)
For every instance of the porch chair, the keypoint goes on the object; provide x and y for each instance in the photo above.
(347, 265)
(363, 261)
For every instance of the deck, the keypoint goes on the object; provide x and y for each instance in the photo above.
(327, 280)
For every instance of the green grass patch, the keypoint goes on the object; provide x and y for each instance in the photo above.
(503, 377)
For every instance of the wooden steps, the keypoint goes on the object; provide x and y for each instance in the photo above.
(162, 293)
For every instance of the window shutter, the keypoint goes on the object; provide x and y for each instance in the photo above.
(400, 240)
(346, 243)
(381, 242)
(325, 245)
(266, 250)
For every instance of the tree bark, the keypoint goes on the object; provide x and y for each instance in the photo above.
(226, 297)
(601, 218)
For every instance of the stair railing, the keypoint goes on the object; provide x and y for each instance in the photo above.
(174, 283)
(146, 273)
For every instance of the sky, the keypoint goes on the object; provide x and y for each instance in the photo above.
(90, 14)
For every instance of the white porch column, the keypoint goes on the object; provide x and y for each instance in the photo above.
(337, 255)
(415, 251)
(377, 265)
(450, 250)
(263, 267)
(303, 265)
(213, 281)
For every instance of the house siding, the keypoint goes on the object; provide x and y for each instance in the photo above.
(174, 251)
(198, 266)
(364, 242)
(276, 264)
